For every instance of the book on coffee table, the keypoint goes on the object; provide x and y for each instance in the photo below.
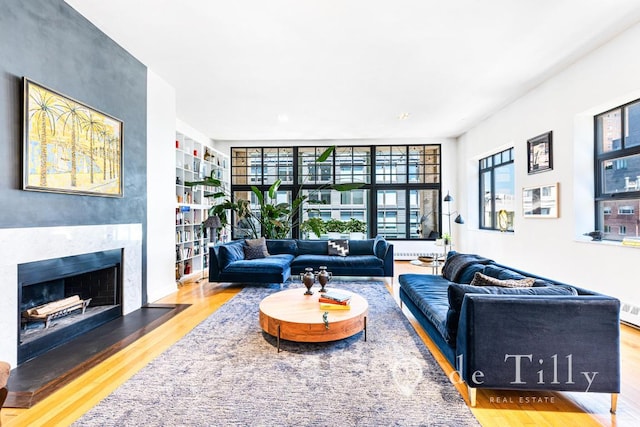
(336, 296)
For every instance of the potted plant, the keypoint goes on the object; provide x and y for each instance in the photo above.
(356, 229)
(313, 227)
(334, 228)
(271, 219)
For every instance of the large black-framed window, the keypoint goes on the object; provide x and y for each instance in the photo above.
(617, 171)
(497, 191)
(399, 197)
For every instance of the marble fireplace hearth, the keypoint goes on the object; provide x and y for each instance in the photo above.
(41, 243)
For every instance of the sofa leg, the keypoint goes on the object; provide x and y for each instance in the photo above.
(614, 402)
(472, 396)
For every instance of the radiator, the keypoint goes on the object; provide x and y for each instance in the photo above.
(408, 255)
(630, 313)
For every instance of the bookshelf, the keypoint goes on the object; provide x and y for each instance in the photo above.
(194, 161)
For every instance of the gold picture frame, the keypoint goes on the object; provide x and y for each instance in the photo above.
(68, 146)
(541, 201)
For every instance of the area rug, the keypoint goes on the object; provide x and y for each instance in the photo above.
(227, 372)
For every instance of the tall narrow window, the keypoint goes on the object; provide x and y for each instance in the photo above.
(617, 171)
(497, 191)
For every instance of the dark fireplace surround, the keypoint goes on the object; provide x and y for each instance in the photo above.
(97, 276)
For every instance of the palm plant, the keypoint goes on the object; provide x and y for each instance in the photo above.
(43, 115)
(275, 220)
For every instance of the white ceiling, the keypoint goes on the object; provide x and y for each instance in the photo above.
(334, 69)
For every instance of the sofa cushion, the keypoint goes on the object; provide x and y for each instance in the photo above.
(268, 265)
(456, 293)
(229, 253)
(480, 279)
(429, 294)
(339, 247)
(380, 246)
(284, 246)
(467, 273)
(457, 263)
(361, 247)
(332, 261)
(312, 247)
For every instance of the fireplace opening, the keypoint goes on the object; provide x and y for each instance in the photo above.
(63, 298)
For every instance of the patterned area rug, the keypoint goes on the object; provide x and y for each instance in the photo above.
(227, 372)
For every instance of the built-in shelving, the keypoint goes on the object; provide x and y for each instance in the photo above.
(195, 160)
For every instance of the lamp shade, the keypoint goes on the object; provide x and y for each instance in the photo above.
(459, 220)
(448, 198)
(213, 222)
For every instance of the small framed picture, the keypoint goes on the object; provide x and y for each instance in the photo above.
(540, 154)
(541, 201)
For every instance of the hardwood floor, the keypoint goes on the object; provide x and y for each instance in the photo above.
(494, 408)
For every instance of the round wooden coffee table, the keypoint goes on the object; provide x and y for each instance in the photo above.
(293, 316)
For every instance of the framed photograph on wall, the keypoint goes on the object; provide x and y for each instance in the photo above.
(539, 153)
(541, 201)
(68, 146)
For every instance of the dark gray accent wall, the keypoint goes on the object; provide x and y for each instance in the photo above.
(49, 42)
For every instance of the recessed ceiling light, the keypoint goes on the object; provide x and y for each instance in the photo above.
(403, 116)
(283, 118)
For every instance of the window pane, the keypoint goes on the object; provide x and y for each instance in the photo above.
(353, 164)
(505, 193)
(485, 201)
(621, 174)
(620, 218)
(632, 125)
(311, 171)
(278, 164)
(609, 131)
(391, 164)
(424, 219)
(392, 214)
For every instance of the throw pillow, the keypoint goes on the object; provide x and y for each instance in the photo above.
(480, 279)
(253, 252)
(260, 243)
(338, 247)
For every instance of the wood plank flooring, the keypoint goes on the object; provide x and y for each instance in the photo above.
(493, 409)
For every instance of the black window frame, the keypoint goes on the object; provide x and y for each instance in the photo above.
(615, 155)
(372, 186)
(487, 164)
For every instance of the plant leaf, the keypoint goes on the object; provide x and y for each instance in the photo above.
(274, 188)
(258, 194)
(325, 154)
(347, 187)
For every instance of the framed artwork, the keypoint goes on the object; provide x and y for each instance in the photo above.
(68, 146)
(539, 153)
(541, 202)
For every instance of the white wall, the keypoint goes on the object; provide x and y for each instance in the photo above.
(161, 198)
(565, 104)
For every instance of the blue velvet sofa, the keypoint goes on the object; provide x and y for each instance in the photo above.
(366, 258)
(549, 336)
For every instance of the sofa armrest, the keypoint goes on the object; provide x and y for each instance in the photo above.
(388, 261)
(563, 343)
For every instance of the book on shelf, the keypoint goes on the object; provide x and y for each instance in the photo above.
(336, 296)
(330, 306)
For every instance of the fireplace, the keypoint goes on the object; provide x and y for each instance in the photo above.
(95, 279)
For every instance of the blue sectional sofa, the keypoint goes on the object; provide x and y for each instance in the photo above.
(366, 258)
(546, 336)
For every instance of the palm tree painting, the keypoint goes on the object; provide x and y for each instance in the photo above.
(70, 147)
